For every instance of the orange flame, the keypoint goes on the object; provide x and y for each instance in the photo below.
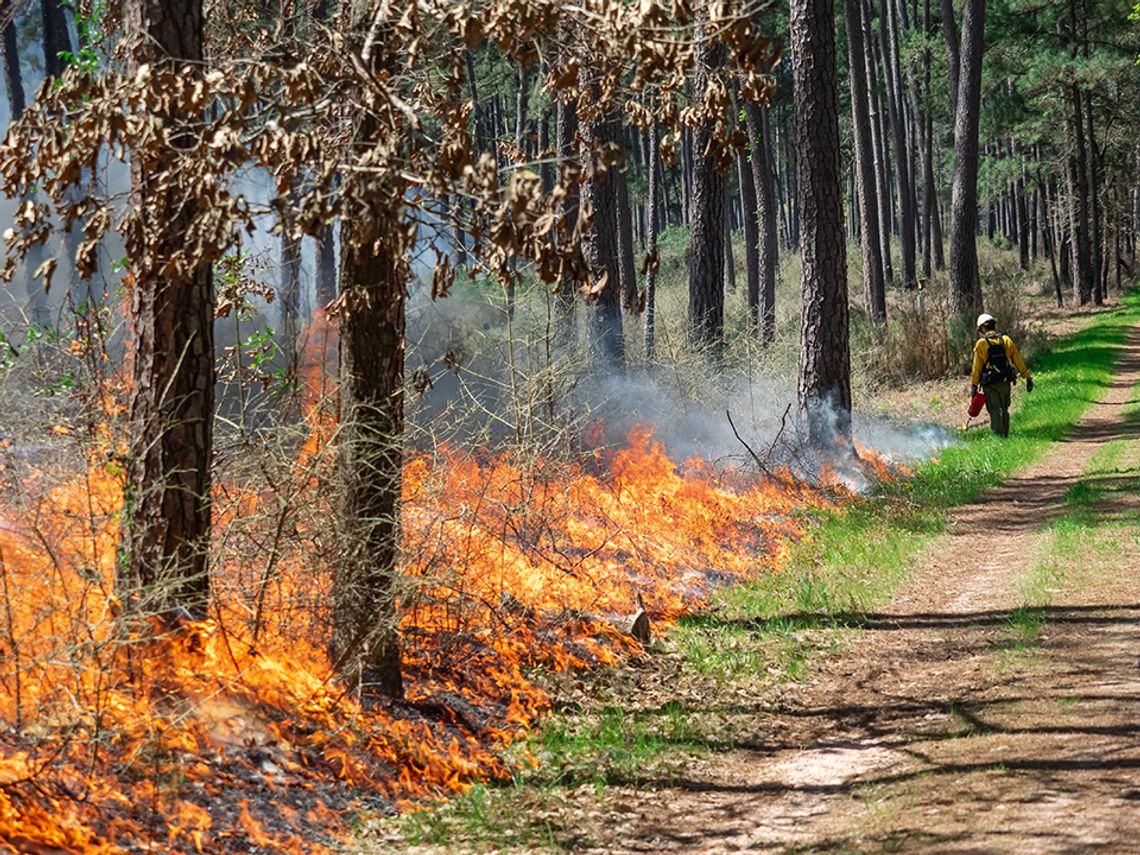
(507, 566)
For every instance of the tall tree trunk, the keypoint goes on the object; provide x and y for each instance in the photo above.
(654, 220)
(1021, 212)
(874, 290)
(1031, 209)
(624, 215)
(1079, 204)
(950, 34)
(57, 39)
(670, 213)
(37, 306)
(965, 287)
(566, 132)
(751, 232)
(13, 79)
(794, 195)
(365, 644)
(1063, 240)
(780, 169)
(879, 150)
(290, 295)
(729, 256)
(783, 223)
(546, 165)
(687, 174)
(1048, 241)
(706, 252)
(934, 213)
(825, 362)
(483, 131)
(1095, 215)
(768, 246)
(895, 109)
(325, 278)
(166, 514)
(600, 245)
(926, 225)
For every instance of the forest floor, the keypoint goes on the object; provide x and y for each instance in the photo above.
(992, 705)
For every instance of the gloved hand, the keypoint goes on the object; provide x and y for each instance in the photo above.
(1028, 384)
(973, 390)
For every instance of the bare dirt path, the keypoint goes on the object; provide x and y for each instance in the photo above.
(957, 722)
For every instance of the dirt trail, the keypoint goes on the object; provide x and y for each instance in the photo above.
(936, 732)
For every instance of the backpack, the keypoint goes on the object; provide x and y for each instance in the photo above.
(998, 367)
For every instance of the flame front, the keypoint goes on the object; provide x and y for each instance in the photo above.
(233, 731)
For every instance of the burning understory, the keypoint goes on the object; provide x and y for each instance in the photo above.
(232, 733)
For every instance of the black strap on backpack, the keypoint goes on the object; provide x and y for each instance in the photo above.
(998, 367)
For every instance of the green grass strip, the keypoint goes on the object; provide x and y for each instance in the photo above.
(858, 554)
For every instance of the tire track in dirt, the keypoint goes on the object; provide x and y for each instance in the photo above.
(919, 738)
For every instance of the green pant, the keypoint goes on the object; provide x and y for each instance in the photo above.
(997, 405)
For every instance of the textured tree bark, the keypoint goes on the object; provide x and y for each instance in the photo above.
(365, 643)
(166, 513)
(654, 220)
(965, 287)
(706, 250)
(874, 290)
(600, 244)
(825, 362)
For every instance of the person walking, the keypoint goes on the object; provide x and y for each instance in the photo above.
(995, 359)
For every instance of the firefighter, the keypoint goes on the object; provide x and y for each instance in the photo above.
(995, 359)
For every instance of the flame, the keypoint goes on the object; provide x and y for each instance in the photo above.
(509, 565)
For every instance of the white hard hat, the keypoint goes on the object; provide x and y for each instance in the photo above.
(984, 319)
